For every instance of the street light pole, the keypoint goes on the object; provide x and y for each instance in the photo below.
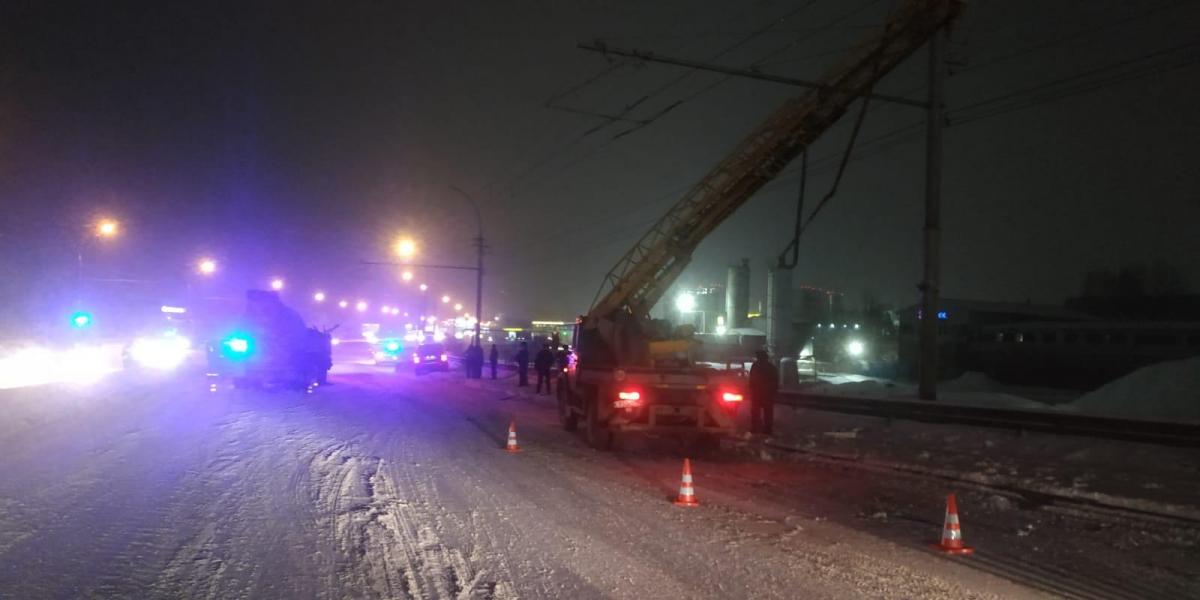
(478, 264)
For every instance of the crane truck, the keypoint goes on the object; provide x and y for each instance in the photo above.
(633, 373)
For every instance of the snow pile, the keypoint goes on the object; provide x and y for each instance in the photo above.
(1165, 391)
(971, 389)
(972, 381)
(977, 389)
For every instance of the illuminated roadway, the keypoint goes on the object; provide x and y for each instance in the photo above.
(392, 486)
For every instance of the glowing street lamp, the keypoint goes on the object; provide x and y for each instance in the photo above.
(361, 306)
(406, 248)
(406, 276)
(458, 306)
(343, 304)
(445, 299)
(685, 302)
(319, 297)
(206, 266)
(277, 284)
(107, 228)
(385, 309)
(424, 287)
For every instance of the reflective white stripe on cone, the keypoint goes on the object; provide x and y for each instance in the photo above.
(687, 494)
(952, 542)
(512, 446)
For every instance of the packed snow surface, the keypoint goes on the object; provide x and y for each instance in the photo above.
(386, 485)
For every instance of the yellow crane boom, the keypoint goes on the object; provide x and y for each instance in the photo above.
(641, 277)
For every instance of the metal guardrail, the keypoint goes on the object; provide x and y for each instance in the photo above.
(1158, 432)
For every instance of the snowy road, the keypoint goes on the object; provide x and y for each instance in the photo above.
(387, 486)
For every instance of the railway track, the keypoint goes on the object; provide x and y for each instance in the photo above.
(1183, 434)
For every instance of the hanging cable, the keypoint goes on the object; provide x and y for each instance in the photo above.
(837, 179)
(794, 245)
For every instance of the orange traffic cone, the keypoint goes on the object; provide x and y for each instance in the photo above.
(952, 541)
(687, 494)
(512, 446)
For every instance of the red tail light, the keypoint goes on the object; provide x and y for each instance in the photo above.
(445, 357)
(731, 397)
(628, 399)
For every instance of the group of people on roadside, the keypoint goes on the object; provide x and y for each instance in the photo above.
(545, 362)
(473, 361)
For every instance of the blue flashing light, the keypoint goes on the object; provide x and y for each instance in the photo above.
(392, 346)
(237, 346)
(943, 315)
(81, 319)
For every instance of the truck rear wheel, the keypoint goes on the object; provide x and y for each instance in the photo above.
(599, 436)
(566, 414)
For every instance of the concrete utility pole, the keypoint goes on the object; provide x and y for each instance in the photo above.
(931, 282)
(479, 246)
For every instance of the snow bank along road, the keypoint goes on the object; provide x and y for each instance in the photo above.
(388, 486)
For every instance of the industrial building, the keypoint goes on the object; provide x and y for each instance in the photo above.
(1047, 345)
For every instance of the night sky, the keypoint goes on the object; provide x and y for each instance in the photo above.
(299, 139)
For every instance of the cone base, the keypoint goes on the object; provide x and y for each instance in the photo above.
(692, 503)
(512, 449)
(962, 550)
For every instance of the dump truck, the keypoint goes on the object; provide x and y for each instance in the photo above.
(269, 345)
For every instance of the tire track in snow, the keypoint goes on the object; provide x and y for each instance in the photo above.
(386, 541)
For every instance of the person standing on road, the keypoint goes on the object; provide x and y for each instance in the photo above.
(764, 382)
(542, 363)
(562, 360)
(493, 357)
(522, 360)
(468, 356)
(477, 360)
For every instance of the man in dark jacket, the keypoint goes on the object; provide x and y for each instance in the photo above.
(764, 381)
(542, 363)
(468, 360)
(476, 360)
(493, 357)
(522, 360)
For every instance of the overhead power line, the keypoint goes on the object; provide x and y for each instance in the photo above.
(601, 47)
(637, 124)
